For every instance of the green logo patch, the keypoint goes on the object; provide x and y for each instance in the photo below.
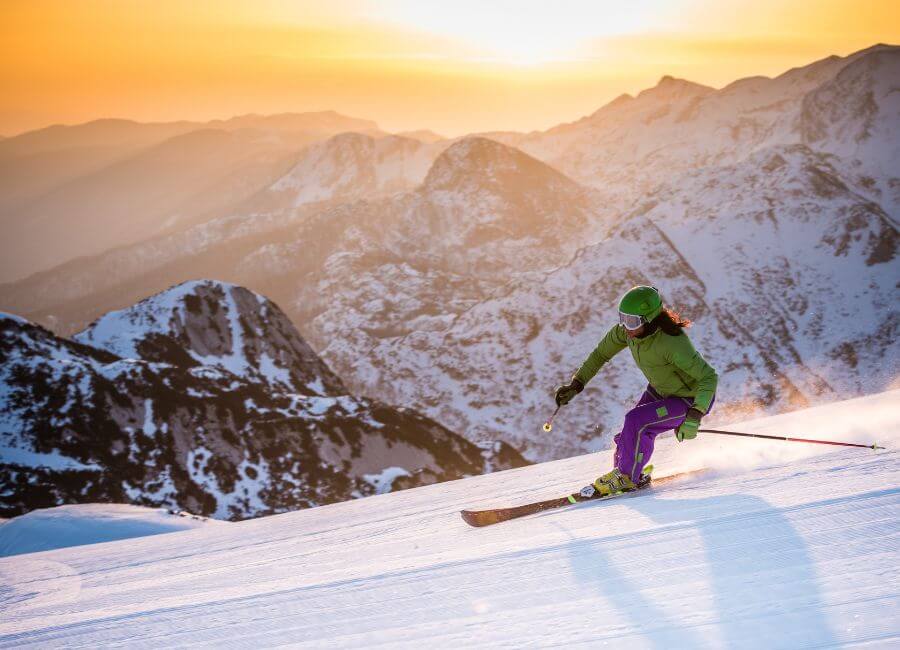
(661, 412)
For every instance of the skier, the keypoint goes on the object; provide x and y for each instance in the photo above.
(681, 389)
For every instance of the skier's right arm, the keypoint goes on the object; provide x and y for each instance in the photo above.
(610, 345)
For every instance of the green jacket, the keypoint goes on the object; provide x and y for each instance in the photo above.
(671, 364)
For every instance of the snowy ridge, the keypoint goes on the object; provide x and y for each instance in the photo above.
(348, 167)
(203, 420)
(221, 326)
(120, 331)
(786, 546)
(679, 126)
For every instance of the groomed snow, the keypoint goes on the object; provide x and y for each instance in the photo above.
(90, 523)
(783, 545)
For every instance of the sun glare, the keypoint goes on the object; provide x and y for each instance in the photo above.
(526, 33)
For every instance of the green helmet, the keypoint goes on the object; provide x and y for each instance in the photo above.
(639, 305)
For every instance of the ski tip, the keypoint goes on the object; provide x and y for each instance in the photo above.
(478, 519)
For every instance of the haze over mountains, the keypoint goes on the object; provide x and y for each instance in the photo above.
(70, 191)
(467, 278)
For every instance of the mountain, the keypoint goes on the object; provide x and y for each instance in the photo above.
(35, 162)
(678, 126)
(348, 167)
(779, 545)
(472, 295)
(193, 174)
(321, 123)
(203, 398)
(118, 132)
(422, 135)
(68, 191)
(213, 325)
(481, 277)
(96, 133)
(854, 117)
(828, 256)
(509, 212)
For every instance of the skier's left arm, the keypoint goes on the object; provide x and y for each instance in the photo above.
(684, 357)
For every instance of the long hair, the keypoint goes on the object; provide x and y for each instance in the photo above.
(670, 322)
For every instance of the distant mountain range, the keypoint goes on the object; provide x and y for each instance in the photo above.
(204, 398)
(467, 278)
(70, 191)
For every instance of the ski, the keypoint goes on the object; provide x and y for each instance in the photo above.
(479, 518)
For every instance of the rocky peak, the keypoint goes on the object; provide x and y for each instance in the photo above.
(348, 141)
(670, 88)
(352, 166)
(422, 135)
(482, 164)
(621, 100)
(209, 323)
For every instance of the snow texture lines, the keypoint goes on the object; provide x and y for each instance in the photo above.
(792, 554)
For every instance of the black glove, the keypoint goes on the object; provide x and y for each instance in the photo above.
(564, 394)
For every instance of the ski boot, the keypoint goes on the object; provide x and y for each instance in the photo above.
(614, 482)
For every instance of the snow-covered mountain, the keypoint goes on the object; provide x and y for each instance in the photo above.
(781, 545)
(218, 326)
(776, 295)
(203, 398)
(352, 166)
(679, 126)
(854, 117)
(763, 210)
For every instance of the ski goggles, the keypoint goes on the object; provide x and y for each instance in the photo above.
(631, 321)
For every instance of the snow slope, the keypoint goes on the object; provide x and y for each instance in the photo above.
(90, 523)
(785, 546)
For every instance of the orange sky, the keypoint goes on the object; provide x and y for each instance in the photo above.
(454, 67)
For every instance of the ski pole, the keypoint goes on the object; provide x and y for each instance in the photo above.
(818, 442)
(548, 425)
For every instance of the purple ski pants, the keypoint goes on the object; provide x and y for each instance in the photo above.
(650, 417)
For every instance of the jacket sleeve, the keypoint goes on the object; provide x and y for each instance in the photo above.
(609, 346)
(684, 357)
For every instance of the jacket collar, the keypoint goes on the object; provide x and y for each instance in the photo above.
(646, 339)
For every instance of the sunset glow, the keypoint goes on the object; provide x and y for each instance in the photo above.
(405, 64)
